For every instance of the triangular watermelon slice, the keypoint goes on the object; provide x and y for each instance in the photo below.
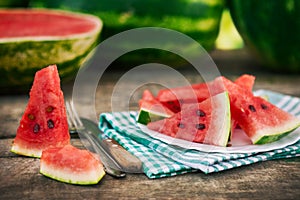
(206, 122)
(151, 109)
(262, 121)
(44, 122)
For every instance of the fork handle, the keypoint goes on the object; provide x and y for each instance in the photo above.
(124, 158)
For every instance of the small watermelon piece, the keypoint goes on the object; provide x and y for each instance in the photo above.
(173, 98)
(71, 165)
(151, 109)
(262, 121)
(246, 81)
(207, 122)
(44, 122)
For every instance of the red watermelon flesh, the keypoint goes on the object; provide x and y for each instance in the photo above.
(262, 121)
(149, 102)
(72, 165)
(206, 122)
(246, 81)
(17, 23)
(44, 122)
(174, 97)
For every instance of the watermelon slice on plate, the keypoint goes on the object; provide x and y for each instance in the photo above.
(44, 122)
(262, 121)
(207, 122)
(71, 165)
(246, 81)
(151, 109)
(173, 98)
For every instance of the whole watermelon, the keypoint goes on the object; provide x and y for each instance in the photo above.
(271, 30)
(198, 19)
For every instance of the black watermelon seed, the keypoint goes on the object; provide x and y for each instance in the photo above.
(252, 108)
(200, 113)
(49, 109)
(36, 128)
(264, 106)
(50, 123)
(180, 125)
(200, 126)
(31, 116)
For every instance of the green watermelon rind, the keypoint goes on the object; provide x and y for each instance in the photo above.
(146, 116)
(26, 152)
(21, 57)
(19, 70)
(84, 179)
(220, 134)
(275, 133)
(25, 148)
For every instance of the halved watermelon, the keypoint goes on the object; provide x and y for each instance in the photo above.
(44, 122)
(71, 165)
(206, 122)
(31, 39)
(262, 121)
(151, 109)
(173, 98)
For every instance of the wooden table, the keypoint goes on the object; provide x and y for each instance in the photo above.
(278, 179)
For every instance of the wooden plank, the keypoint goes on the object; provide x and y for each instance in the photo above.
(279, 179)
(271, 180)
(11, 108)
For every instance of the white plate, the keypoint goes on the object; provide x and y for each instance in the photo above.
(240, 143)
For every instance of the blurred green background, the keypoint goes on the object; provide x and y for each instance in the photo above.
(199, 19)
(268, 29)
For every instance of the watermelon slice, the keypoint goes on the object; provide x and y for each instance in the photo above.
(262, 121)
(207, 122)
(151, 109)
(71, 165)
(174, 97)
(247, 82)
(44, 122)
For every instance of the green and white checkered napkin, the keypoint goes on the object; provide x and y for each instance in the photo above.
(163, 160)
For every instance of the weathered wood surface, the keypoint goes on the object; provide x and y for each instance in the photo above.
(278, 179)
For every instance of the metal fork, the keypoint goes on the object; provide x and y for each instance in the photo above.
(91, 142)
